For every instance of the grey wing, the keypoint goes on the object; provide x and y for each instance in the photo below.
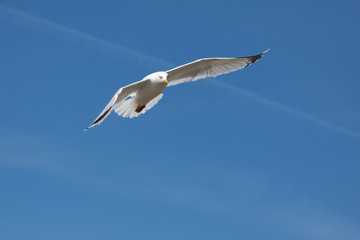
(119, 96)
(208, 67)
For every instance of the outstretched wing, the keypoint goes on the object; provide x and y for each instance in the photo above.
(120, 96)
(208, 67)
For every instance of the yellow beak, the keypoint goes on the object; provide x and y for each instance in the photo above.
(166, 81)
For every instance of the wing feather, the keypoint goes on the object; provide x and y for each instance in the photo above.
(127, 108)
(208, 67)
(120, 96)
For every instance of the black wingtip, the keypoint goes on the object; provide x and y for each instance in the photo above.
(98, 119)
(254, 58)
(101, 117)
(257, 57)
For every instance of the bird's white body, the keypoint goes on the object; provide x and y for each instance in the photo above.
(135, 99)
(151, 89)
(146, 94)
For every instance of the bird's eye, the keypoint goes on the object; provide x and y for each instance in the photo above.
(160, 77)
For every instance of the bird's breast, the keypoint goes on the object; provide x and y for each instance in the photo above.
(150, 91)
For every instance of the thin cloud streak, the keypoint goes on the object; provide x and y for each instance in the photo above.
(311, 223)
(27, 152)
(286, 109)
(142, 56)
(70, 31)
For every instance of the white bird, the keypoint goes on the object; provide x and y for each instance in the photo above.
(136, 98)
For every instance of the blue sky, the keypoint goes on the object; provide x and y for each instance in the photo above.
(271, 151)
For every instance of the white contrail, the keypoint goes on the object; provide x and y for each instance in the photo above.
(81, 35)
(286, 109)
(139, 55)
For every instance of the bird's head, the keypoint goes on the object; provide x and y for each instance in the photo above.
(160, 77)
(163, 77)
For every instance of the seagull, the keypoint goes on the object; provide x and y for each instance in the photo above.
(137, 98)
